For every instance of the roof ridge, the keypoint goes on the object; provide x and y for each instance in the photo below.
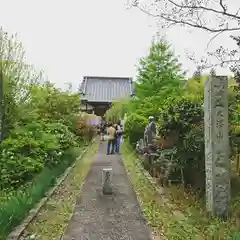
(102, 89)
(107, 78)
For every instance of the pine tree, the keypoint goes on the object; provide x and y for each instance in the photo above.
(159, 73)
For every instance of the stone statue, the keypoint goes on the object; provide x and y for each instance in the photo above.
(150, 132)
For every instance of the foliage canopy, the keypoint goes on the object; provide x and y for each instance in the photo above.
(159, 73)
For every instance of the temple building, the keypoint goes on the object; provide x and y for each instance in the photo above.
(97, 93)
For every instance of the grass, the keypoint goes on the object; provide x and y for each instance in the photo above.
(15, 207)
(194, 208)
(56, 213)
(164, 216)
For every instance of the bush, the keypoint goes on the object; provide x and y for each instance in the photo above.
(183, 117)
(83, 130)
(134, 127)
(179, 114)
(16, 206)
(65, 138)
(29, 149)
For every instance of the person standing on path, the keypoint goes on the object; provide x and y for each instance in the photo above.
(111, 131)
(118, 137)
(102, 131)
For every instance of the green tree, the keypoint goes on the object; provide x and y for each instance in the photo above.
(49, 104)
(159, 73)
(16, 78)
(117, 110)
(195, 85)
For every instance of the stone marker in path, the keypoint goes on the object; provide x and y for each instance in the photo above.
(217, 164)
(107, 181)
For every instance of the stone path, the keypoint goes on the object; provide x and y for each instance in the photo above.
(107, 217)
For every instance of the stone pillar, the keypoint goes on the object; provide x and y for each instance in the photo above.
(217, 163)
(107, 181)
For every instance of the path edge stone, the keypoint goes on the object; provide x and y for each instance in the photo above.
(18, 231)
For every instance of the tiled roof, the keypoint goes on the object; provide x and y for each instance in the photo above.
(105, 89)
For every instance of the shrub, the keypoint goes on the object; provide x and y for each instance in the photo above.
(83, 130)
(16, 206)
(183, 116)
(180, 113)
(65, 137)
(28, 149)
(134, 127)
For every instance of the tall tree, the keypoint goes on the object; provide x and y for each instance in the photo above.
(159, 73)
(16, 78)
(216, 17)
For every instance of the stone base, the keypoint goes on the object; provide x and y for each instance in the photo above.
(107, 190)
(210, 215)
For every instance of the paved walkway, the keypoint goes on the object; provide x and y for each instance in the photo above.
(101, 217)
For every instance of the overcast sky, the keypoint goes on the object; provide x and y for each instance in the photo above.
(72, 38)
